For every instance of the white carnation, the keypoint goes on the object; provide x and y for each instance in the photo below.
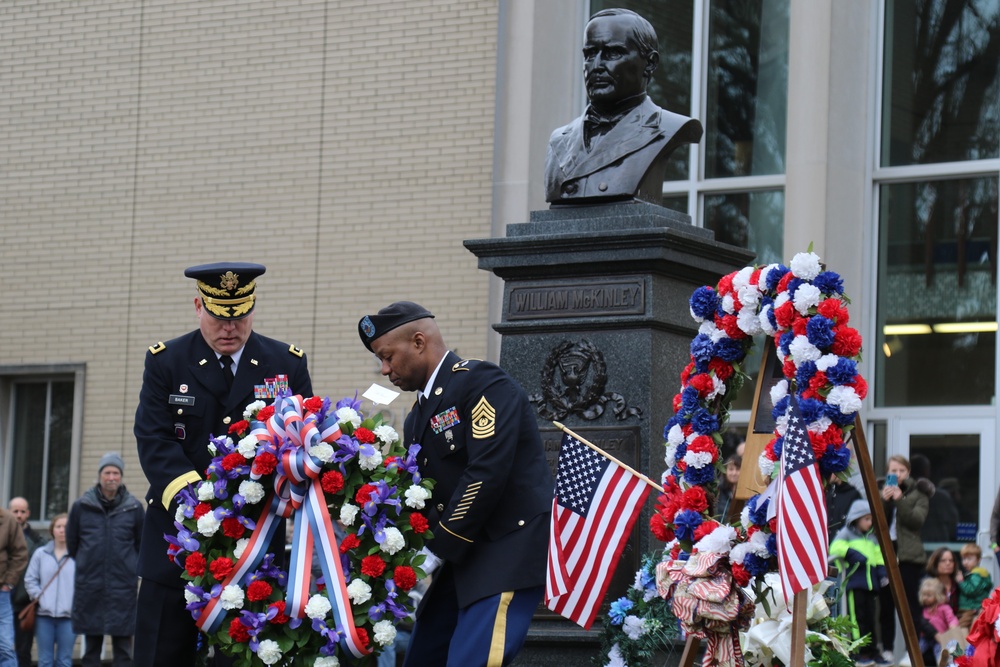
(179, 514)
(806, 296)
(806, 265)
(206, 491)
(742, 278)
(762, 279)
(802, 350)
(718, 541)
(415, 497)
(393, 540)
(208, 525)
(748, 322)
(718, 388)
(765, 321)
(322, 451)
(670, 457)
(212, 449)
(675, 435)
(371, 462)
(386, 434)
(634, 627)
(232, 597)
(781, 424)
(385, 633)
(758, 544)
(820, 425)
(241, 545)
(318, 607)
(781, 300)
(615, 658)
(698, 459)
(327, 661)
(714, 333)
(765, 464)
(744, 520)
(190, 596)
(826, 362)
(359, 592)
(845, 398)
(779, 391)
(348, 513)
(252, 409)
(248, 446)
(729, 304)
(269, 652)
(348, 416)
(749, 296)
(252, 491)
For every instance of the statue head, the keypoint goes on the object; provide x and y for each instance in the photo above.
(619, 56)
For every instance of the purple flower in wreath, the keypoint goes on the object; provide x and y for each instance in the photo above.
(819, 331)
(699, 476)
(184, 540)
(704, 302)
(829, 282)
(834, 460)
(685, 523)
(409, 464)
(843, 372)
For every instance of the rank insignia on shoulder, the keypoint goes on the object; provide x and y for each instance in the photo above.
(445, 420)
(484, 419)
(296, 351)
(463, 365)
(159, 347)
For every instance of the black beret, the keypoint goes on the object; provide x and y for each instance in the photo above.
(394, 315)
(227, 288)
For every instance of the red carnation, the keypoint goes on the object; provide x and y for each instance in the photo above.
(788, 369)
(676, 551)
(784, 315)
(233, 460)
(362, 636)
(201, 509)
(740, 575)
(231, 527)
(238, 631)
(846, 342)
(783, 283)
(722, 369)
(265, 463)
(314, 404)
(833, 309)
(280, 617)
(659, 528)
(405, 577)
(818, 381)
(703, 383)
(418, 522)
(799, 325)
(818, 445)
(349, 542)
(221, 567)
(695, 499)
(728, 323)
(363, 494)
(772, 525)
(860, 386)
(364, 436)
(258, 590)
(686, 373)
(265, 413)
(704, 529)
(677, 402)
(726, 284)
(239, 426)
(373, 566)
(754, 277)
(194, 564)
(332, 481)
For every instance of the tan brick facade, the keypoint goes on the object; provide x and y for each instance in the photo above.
(346, 145)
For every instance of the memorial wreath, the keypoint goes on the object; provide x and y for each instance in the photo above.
(304, 459)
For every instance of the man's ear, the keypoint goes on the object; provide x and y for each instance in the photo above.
(652, 60)
(419, 341)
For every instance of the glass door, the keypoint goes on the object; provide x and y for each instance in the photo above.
(958, 457)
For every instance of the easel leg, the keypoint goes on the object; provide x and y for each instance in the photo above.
(690, 651)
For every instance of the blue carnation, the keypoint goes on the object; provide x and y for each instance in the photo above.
(780, 408)
(755, 565)
(785, 342)
(619, 609)
(685, 523)
(771, 318)
(689, 399)
(779, 444)
(680, 451)
(676, 420)
(729, 350)
(834, 460)
(819, 331)
(704, 302)
(838, 417)
(805, 372)
(812, 409)
(699, 476)
(829, 282)
(704, 421)
(843, 372)
(772, 544)
(758, 513)
(775, 275)
(701, 349)
(793, 285)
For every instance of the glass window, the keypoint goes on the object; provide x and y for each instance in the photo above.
(936, 326)
(951, 462)
(940, 88)
(746, 88)
(42, 438)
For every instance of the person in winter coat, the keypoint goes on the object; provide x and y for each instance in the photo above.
(974, 585)
(103, 534)
(49, 579)
(857, 554)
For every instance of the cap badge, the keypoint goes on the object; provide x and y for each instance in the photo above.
(367, 326)
(229, 281)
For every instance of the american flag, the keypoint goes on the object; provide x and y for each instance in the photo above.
(595, 505)
(802, 546)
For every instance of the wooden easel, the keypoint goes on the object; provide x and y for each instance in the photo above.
(751, 483)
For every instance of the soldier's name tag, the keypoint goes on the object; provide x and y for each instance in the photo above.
(445, 420)
(181, 399)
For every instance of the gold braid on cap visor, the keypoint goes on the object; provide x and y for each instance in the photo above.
(221, 307)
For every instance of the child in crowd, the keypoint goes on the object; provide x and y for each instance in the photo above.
(856, 552)
(973, 587)
(937, 618)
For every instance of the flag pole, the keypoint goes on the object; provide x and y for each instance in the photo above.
(603, 453)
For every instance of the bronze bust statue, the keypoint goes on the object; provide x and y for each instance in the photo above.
(617, 149)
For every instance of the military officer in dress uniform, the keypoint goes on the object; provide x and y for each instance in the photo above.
(489, 513)
(193, 387)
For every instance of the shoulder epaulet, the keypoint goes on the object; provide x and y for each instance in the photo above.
(159, 347)
(296, 351)
(463, 365)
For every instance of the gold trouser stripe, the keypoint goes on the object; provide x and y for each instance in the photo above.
(499, 631)
(176, 485)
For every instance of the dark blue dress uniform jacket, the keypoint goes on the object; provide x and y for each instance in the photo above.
(493, 496)
(172, 432)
